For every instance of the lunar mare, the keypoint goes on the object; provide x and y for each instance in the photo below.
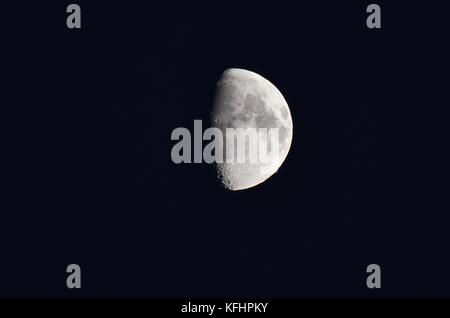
(244, 99)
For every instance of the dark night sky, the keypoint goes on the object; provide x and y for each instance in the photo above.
(89, 180)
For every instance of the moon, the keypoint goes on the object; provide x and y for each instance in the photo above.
(244, 99)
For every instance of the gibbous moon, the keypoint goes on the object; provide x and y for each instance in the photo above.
(244, 99)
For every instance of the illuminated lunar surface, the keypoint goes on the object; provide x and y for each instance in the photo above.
(244, 99)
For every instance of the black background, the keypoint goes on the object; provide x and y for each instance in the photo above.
(87, 117)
